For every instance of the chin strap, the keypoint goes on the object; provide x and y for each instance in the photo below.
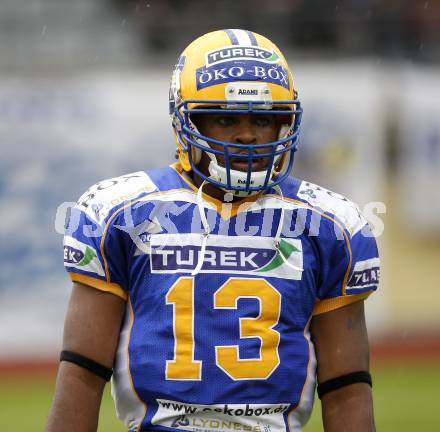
(237, 178)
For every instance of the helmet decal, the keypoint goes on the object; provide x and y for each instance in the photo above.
(228, 53)
(243, 70)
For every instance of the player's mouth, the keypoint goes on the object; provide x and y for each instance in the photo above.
(241, 164)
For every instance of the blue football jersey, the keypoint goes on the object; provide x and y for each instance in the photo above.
(216, 331)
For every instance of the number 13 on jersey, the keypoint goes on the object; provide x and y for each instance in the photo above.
(181, 296)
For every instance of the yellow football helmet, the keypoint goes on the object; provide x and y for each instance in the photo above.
(240, 72)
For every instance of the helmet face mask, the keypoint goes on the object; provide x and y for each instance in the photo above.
(216, 76)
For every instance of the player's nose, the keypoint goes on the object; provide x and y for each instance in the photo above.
(245, 131)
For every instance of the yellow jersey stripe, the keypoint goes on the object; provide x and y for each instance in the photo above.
(330, 304)
(99, 284)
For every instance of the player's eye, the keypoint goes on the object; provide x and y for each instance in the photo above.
(263, 120)
(226, 120)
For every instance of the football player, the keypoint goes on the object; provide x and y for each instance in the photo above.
(217, 292)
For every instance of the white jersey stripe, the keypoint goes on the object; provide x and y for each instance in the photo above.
(298, 417)
(129, 408)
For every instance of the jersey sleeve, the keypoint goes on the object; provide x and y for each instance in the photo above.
(95, 249)
(93, 254)
(95, 246)
(350, 267)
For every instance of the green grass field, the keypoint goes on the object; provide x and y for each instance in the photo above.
(406, 399)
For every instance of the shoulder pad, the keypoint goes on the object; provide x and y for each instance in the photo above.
(344, 210)
(100, 199)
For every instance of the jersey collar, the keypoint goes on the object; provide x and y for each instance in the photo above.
(225, 210)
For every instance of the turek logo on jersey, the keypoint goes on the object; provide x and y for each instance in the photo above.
(365, 274)
(241, 53)
(75, 256)
(81, 256)
(171, 253)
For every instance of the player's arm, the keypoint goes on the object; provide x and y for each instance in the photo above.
(91, 329)
(341, 343)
